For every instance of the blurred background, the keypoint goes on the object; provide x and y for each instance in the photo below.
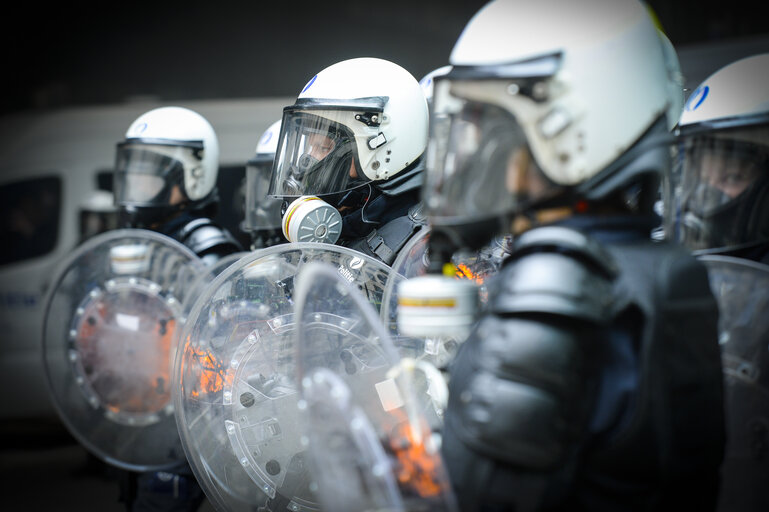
(76, 75)
(67, 54)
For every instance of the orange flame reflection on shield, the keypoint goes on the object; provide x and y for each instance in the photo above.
(417, 467)
(465, 272)
(213, 375)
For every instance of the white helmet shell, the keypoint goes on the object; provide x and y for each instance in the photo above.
(268, 142)
(428, 81)
(404, 119)
(177, 125)
(738, 89)
(610, 87)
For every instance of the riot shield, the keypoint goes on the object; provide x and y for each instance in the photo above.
(234, 380)
(206, 278)
(366, 411)
(413, 261)
(108, 345)
(741, 288)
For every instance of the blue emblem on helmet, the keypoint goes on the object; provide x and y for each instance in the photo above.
(266, 138)
(697, 97)
(312, 81)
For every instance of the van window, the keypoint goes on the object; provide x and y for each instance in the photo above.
(29, 218)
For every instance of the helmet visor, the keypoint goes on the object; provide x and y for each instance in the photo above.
(262, 211)
(716, 186)
(479, 164)
(146, 174)
(316, 156)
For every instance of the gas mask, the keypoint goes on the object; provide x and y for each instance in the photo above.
(311, 219)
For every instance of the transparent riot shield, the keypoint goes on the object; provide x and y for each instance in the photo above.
(234, 382)
(413, 261)
(206, 278)
(741, 288)
(365, 410)
(108, 345)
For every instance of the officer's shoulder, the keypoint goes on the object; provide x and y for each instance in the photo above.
(417, 214)
(556, 270)
(202, 234)
(671, 269)
(567, 242)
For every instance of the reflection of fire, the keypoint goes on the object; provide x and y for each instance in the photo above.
(128, 370)
(465, 272)
(417, 468)
(213, 375)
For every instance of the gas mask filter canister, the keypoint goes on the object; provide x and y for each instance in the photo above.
(129, 259)
(435, 305)
(311, 219)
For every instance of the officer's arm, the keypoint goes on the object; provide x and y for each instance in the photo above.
(522, 387)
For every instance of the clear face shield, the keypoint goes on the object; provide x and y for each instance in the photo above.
(316, 157)
(479, 163)
(716, 196)
(152, 174)
(262, 211)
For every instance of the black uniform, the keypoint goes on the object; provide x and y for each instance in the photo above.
(593, 380)
(390, 216)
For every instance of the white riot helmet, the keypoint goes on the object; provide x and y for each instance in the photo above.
(168, 162)
(428, 81)
(360, 121)
(262, 212)
(532, 119)
(718, 196)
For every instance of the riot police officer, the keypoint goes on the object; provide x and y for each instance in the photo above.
(354, 139)
(262, 213)
(428, 81)
(717, 204)
(592, 381)
(717, 198)
(165, 180)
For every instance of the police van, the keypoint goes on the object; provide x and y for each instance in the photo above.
(56, 166)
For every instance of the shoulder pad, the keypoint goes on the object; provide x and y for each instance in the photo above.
(557, 271)
(386, 241)
(417, 214)
(202, 235)
(192, 225)
(566, 241)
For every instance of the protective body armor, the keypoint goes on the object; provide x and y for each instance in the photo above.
(205, 238)
(592, 382)
(385, 241)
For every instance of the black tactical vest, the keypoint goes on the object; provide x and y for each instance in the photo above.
(526, 385)
(387, 240)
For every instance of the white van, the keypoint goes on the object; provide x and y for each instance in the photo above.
(51, 163)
